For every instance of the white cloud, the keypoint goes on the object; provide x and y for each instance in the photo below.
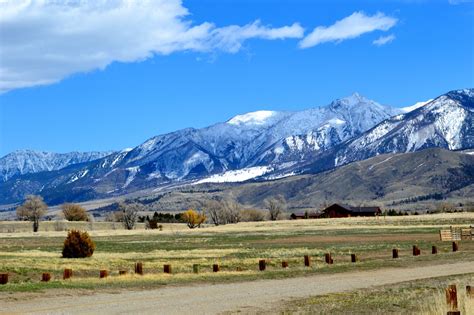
(45, 41)
(349, 27)
(382, 40)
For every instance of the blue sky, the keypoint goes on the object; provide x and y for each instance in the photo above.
(98, 79)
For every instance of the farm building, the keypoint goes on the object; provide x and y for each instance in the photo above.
(305, 215)
(342, 211)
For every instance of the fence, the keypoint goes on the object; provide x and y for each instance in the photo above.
(457, 234)
(262, 265)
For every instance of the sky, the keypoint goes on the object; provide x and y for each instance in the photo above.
(109, 74)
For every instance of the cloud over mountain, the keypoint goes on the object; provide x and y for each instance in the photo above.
(355, 25)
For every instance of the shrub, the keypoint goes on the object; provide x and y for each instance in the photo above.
(78, 245)
(249, 215)
(73, 212)
(193, 218)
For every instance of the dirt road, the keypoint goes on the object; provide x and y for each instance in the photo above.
(228, 297)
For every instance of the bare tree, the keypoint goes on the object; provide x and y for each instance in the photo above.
(275, 206)
(32, 209)
(232, 211)
(130, 214)
(213, 210)
(74, 212)
(251, 215)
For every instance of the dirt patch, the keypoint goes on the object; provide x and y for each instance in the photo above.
(357, 238)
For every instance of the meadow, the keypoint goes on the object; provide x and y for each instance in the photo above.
(26, 255)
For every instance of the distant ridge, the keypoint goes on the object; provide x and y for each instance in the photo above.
(262, 145)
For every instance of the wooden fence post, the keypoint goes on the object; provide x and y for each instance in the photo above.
(3, 278)
(139, 268)
(328, 258)
(395, 253)
(307, 260)
(452, 297)
(262, 265)
(284, 264)
(195, 268)
(103, 273)
(455, 246)
(215, 268)
(416, 250)
(434, 250)
(167, 268)
(354, 258)
(470, 291)
(45, 277)
(67, 274)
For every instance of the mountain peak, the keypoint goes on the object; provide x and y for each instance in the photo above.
(355, 99)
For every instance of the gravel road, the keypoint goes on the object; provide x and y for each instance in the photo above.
(227, 297)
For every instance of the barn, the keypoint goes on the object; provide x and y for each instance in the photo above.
(305, 215)
(338, 210)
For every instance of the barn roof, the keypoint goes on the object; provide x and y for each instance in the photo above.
(357, 209)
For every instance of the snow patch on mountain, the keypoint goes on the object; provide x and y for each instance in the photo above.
(237, 175)
(449, 124)
(78, 176)
(132, 172)
(256, 118)
(415, 106)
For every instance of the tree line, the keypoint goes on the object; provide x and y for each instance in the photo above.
(216, 212)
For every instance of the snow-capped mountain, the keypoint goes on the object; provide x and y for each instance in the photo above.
(263, 144)
(28, 161)
(446, 122)
(247, 140)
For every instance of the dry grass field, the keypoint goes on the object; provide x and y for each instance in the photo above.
(425, 297)
(25, 255)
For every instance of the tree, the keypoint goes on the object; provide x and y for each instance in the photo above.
(251, 215)
(223, 211)
(130, 214)
(74, 212)
(275, 206)
(193, 218)
(32, 210)
(213, 209)
(232, 211)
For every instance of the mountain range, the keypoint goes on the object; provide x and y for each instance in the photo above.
(262, 145)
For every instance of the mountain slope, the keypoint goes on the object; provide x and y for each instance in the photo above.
(268, 144)
(385, 179)
(28, 161)
(248, 140)
(446, 122)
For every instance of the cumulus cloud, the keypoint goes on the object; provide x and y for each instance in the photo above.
(349, 27)
(45, 41)
(382, 40)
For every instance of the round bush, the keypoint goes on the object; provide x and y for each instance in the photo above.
(78, 245)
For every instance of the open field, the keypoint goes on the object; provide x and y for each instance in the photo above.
(25, 255)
